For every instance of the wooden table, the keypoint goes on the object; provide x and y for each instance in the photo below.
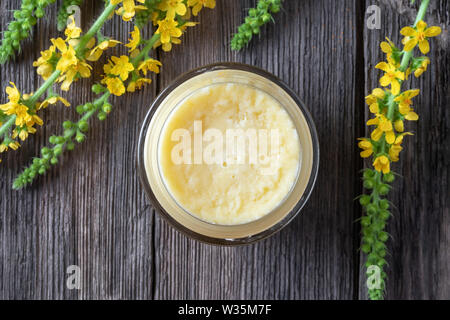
(91, 210)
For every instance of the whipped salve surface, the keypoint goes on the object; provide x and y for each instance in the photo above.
(246, 188)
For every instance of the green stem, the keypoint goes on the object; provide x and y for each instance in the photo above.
(406, 58)
(144, 52)
(35, 97)
(7, 125)
(376, 196)
(97, 104)
(95, 27)
(420, 15)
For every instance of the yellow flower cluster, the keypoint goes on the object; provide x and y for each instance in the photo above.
(129, 8)
(26, 118)
(62, 56)
(26, 114)
(120, 75)
(392, 107)
(118, 69)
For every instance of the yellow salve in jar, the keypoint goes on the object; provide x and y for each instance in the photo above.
(229, 153)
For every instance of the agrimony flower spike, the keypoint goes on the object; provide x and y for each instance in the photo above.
(64, 61)
(19, 29)
(256, 18)
(121, 74)
(391, 108)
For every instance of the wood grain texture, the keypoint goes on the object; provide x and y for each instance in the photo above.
(311, 49)
(419, 249)
(91, 211)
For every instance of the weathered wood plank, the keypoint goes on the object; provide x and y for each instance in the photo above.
(419, 262)
(311, 48)
(91, 210)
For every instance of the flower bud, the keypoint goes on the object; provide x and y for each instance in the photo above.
(389, 177)
(365, 221)
(366, 248)
(368, 184)
(383, 236)
(384, 204)
(79, 137)
(364, 200)
(83, 125)
(383, 189)
(384, 214)
(67, 124)
(97, 88)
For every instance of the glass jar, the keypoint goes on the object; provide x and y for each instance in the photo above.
(153, 180)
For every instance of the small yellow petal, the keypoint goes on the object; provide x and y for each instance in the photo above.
(410, 44)
(382, 66)
(366, 153)
(399, 126)
(385, 81)
(412, 116)
(390, 137)
(395, 87)
(408, 31)
(376, 134)
(424, 46)
(421, 26)
(433, 31)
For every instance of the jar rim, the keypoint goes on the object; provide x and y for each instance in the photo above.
(143, 172)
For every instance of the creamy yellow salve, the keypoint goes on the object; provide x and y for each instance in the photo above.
(235, 188)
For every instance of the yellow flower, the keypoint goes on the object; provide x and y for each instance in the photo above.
(128, 9)
(138, 84)
(80, 69)
(135, 39)
(13, 93)
(107, 67)
(382, 164)
(367, 147)
(399, 126)
(150, 65)
(388, 48)
(97, 51)
(404, 104)
(68, 57)
(15, 107)
(28, 128)
(115, 86)
(391, 77)
(173, 8)
(44, 67)
(384, 125)
(396, 148)
(13, 145)
(72, 31)
(53, 100)
(122, 67)
(419, 35)
(197, 5)
(170, 32)
(372, 100)
(423, 67)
